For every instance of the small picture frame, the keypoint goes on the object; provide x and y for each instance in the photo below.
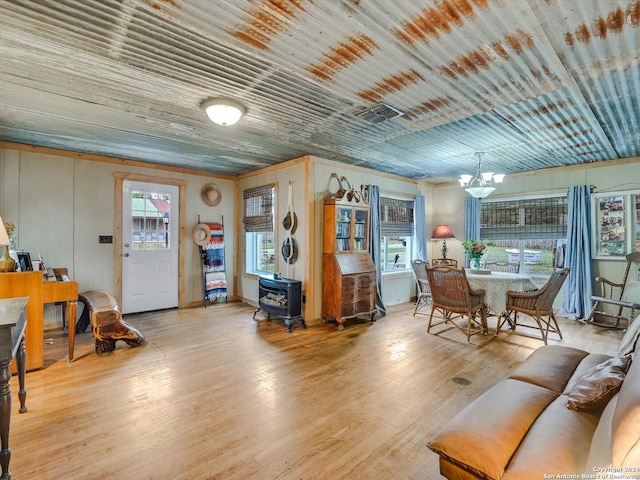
(24, 260)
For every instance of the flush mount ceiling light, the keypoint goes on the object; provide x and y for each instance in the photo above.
(224, 111)
(482, 184)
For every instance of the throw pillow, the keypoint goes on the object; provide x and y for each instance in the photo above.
(598, 385)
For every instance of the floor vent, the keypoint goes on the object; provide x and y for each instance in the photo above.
(379, 113)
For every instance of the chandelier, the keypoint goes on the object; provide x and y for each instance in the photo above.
(482, 184)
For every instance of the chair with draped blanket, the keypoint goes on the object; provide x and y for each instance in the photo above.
(618, 301)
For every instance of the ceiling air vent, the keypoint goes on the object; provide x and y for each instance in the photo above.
(379, 113)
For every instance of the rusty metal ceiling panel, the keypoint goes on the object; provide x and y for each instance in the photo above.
(533, 83)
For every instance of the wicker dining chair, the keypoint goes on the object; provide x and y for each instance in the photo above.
(456, 301)
(510, 267)
(537, 305)
(424, 292)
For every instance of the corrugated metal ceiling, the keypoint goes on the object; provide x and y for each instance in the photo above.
(533, 83)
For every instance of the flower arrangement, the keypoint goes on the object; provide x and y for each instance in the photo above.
(9, 227)
(475, 250)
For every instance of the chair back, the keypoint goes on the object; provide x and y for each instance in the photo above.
(549, 291)
(626, 282)
(449, 287)
(420, 271)
(510, 267)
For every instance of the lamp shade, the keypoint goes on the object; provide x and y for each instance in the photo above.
(442, 231)
(479, 192)
(4, 237)
(224, 111)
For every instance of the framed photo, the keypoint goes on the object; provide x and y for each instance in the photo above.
(24, 260)
(616, 224)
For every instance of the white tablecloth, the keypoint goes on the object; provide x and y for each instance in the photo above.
(497, 284)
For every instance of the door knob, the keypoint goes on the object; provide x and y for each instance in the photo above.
(126, 254)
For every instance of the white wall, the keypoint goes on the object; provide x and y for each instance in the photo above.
(607, 176)
(61, 204)
(396, 287)
(293, 172)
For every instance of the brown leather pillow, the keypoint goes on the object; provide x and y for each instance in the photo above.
(598, 385)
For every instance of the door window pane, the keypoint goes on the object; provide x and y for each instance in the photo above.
(150, 220)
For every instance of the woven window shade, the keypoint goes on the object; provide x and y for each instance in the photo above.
(258, 209)
(396, 217)
(526, 219)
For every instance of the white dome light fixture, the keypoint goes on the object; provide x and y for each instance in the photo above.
(482, 184)
(224, 111)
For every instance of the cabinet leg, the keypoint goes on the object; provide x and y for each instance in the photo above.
(340, 324)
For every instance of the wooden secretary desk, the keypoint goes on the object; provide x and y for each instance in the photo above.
(348, 273)
(40, 291)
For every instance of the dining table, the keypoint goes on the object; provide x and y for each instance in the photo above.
(496, 285)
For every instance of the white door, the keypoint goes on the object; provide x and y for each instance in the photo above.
(149, 246)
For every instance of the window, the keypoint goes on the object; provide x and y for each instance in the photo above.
(150, 220)
(259, 227)
(531, 231)
(397, 230)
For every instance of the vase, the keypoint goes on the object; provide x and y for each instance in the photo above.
(7, 264)
(475, 263)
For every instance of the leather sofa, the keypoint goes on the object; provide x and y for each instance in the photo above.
(523, 428)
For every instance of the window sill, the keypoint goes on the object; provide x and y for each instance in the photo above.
(400, 274)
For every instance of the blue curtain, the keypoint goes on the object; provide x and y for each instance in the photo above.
(472, 208)
(576, 300)
(421, 228)
(374, 244)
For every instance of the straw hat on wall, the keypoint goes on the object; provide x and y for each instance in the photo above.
(211, 195)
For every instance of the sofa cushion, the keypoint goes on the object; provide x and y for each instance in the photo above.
(625, 426)
(587, 362)
(600, 450)
(550, 366)
(558, 441)
(483, 437)
(598, 385)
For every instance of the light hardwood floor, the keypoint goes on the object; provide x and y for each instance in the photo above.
(216, 394)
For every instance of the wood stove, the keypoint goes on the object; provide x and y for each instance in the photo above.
(281, 297)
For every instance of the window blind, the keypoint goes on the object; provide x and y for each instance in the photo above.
(524, 219)
(258, 209)
(396, 217)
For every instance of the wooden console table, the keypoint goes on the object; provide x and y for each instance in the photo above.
(12, 332)
(40, 291)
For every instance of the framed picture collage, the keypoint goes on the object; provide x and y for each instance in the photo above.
(616, 221)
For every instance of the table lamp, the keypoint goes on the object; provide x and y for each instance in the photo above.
(443, 232)
(7, 264)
